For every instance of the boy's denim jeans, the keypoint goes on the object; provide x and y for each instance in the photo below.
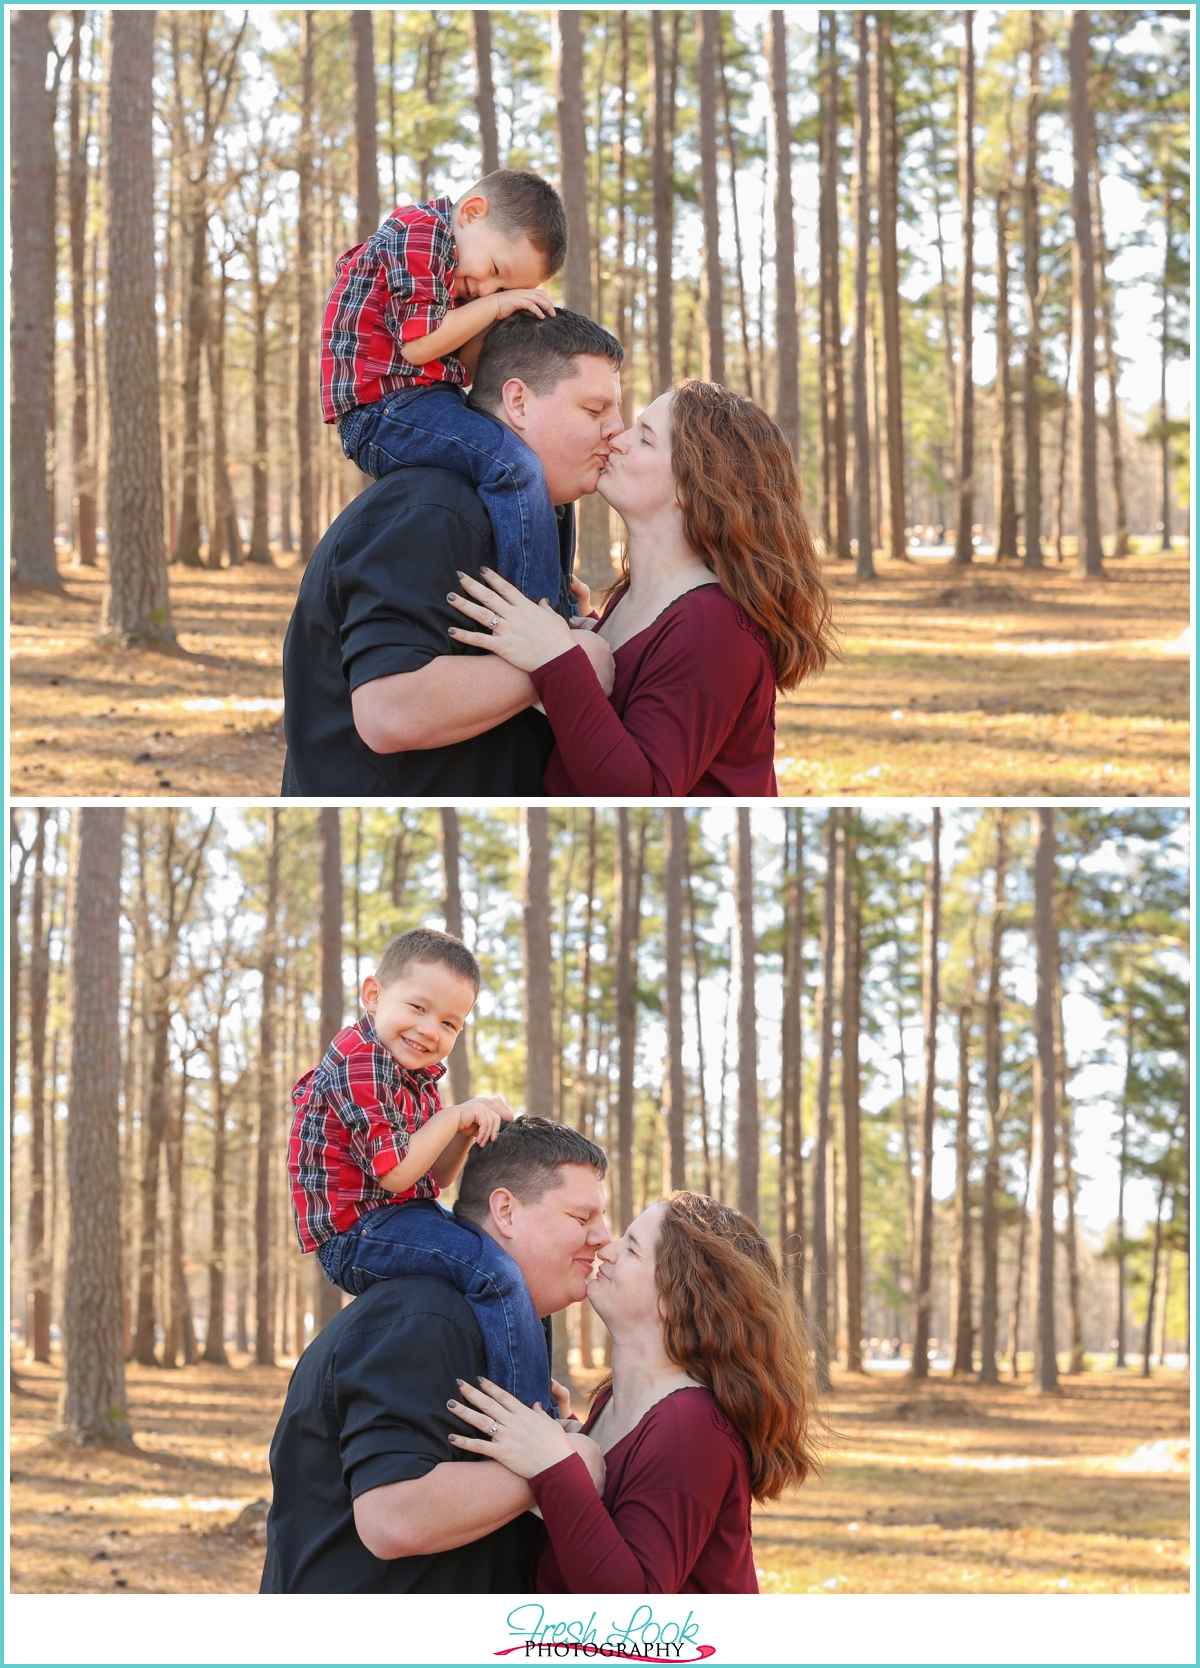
(435, 427)
(422, 1237)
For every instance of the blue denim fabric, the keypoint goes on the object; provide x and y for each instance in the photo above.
(436, 428)
(422, 1237)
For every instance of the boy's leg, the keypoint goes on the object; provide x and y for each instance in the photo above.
(435, 427)
(421, 1237)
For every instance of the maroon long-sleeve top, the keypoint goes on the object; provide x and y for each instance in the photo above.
(675, 1517)
(691, 714)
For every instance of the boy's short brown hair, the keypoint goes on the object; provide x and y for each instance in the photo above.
(525, 1157)
(427, 944)
(523, 204)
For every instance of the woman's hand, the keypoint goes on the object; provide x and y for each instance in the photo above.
(525, 1439)
(525, 634)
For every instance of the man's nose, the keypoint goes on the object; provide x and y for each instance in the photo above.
(614, 430)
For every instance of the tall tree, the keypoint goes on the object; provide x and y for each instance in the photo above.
(931, 933)
(1031, 239)
(964, 1328)
(333, 990)
(833, 426)
(826, 1002)
(791, 1135)
(224, 530)
(993, 1010)
(259, 550)
(485, 91)
(136, 605)
(625, 896)
(264, 1326)
(1006, 494)
(663, 206)
(851, 1112)
(708, 24)
(864, 528)
(539, 985)
(964, 464)
(748, 1131)
(366, 121)
(1045, 932)
(787, 329)
(1112, 364)
(39, 990)
(460, 1057)
(892, 510)
(305, 312)
(1090, 559)
(82, 463)
(674, 841)
(91, 1405)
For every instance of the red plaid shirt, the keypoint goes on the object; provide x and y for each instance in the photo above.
(394, 288)
(355, 1113)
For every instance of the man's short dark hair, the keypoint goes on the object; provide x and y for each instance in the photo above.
(426, 944)
(523, 204)
(539, 351)
(525, 1157)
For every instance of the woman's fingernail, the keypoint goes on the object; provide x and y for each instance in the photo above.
(451, 596)
(485, 570)
(451, 1403)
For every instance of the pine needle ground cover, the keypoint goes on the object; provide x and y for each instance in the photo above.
(992, 682)
(950, 1488)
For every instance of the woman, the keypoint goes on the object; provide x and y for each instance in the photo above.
(710, 1403)
(721, 602)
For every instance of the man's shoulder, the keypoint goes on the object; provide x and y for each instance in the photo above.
(406, 1297)
(414, 491)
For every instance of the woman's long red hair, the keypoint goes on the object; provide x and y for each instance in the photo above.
(743, 513)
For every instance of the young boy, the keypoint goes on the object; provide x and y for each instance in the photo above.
(372, 1146)
(400, 337)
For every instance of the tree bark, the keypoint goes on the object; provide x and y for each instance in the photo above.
(460, 1055)
(707, 26)
(787, 328)
(837, 503)
(305, 312)
(1045, 1365)
(214, 1336)
(792, 1239)
(964, 466)
(136, 606)
(485, 92)
(539, 985)
(180, 1330)
(1006, 497)
(1112, 367)
(366, 121)
(1152, 1294)
(932, 928)
(1033, 296)
(1163, 413)
(39, 991)
(993, 1011)
(585, 994)
(333, 990)
(1089, 563)
(893, 507)
(819, 1299)
(260, 535)
(624, 894)
(1022, 1238)
(82, 461)
(748, 1131)
(663, 201)
(264, 1329)
(864, 528)
(675, 1109)
(1071, 1234)
(964, 1328)
(851, 1112)
(731, 148)
(91, 1404)
(1121, 1175)
(226, 531)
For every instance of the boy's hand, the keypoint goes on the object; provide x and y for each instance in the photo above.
(537, 302)
(484, 1114)
(583, 601)
(562, 1399)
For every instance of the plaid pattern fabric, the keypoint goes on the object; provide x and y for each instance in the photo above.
(394, 288)
(354, 1115)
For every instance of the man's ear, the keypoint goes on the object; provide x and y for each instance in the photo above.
(501, 1205)
(515, 398)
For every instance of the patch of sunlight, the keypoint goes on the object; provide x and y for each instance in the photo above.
(211, 703)
(165, 1503)
(1158, 1456)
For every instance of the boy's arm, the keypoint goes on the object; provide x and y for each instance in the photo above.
(425, 1146)
(462, 323)
(446, 1168)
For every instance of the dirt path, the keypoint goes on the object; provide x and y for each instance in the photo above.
(997, 683)
(947, 1490)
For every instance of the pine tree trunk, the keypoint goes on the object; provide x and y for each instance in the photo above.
(837, 503)
(179, 1329)
(539, 986)
(195, 236)
(748, 1130)
(1071, 1234)
(787, 330)
(214, 1337)
(663, 203)
(964, 463)
(675, 1109)
(1064, 427)
(990, 1295)
(893, 508)
(964, 1329)
(260, 534)
(585, 997)
(1163, 413)
(154, 1130)
(1032, 392)
(91, 1404)
(1045, 1110)
(1152, 1294)
(707, 26)
(226, 533)
(136, 605)
(929, 982)
(731, 151)
(851, 1112)
(1112, 368)
(460, 1055)
(864, 528)
(1006, 498)
(77, 190)
(1089, 563)
(305, 311)
(366, 120)
(1014, 1326)
(39, 992)
(819, 1297)
(485, 92)
(624, 893)
(264, 1330)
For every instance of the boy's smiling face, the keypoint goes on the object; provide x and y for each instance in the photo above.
(488, 260)
(418, 1016)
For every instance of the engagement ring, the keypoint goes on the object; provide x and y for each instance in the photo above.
(493, 1427)
(493, 622)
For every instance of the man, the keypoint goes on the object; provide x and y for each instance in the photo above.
(378, 699)
(369, 1494)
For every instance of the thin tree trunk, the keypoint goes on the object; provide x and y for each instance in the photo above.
(460, 1054)
(1163, 414)
(136, 603)
(305, 313)
(585, 995)
(260, 536)
(851, 1112)
(929, 981)
(180, 1328)
(1045, 1366)
(990, 1296)
(748, 1130)
(328, 1298)
(964, 467)
(819, 1298)
(663, 201)
(1064, 429)
(91, 1404)
(964, 1329)
(792, 1237)
(1071, 1235)
(622, 319)
(1014, 1328)
(1006, 498)
(864, 529)
(1112, 368)
(1033, 296)
(892, 427)
(154, 1131)
(837, 506)
(675, 837)
(539, 987)
(214, 1337)
(1089, 563)
(39, 991)
(787, 330)
(708, 24)
(77, 190)
(485, 91)
(264, 1331)
(624, 893)
(226, 531)
(1152, 1294)
(366, 121)
(731, 148)
(701, 1095)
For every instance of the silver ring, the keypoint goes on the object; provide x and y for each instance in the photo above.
(493, 622)
(493, 1427)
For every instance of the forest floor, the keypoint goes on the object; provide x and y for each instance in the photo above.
(947, 1488)
(995, 682)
